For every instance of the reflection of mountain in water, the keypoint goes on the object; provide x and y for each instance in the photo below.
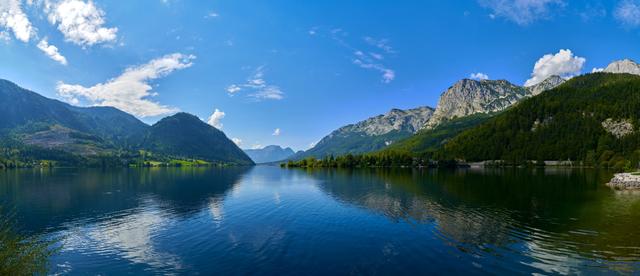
(550, 213)
(50, 198)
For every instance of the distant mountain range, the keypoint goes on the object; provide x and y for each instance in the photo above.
(588, 120)
(35, 127)
(466, 97)
(371, 134)
(269, 154)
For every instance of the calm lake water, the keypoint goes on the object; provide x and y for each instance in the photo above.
(267, 220)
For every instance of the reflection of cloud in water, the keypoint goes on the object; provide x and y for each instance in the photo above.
(276, 198)
(129, 237)
(216, 208)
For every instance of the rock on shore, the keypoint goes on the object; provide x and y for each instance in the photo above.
(625, 181)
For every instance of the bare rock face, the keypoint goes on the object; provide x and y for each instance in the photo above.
(410, 120)
(548, 84)
(623, 66)
(468, 97)
(619, 128)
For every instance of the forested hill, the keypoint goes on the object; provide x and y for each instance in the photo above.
(184, 134)
(592, 118)
(38, 131)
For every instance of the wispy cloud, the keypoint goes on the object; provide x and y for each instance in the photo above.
(237, 141)
(628, 13)
(564, 64)
(257, 87)
(479, 76)
(257, 146)
(211, 14)
(382, 44)
(366, 56)
(130, 91)
(276, 132)
(80, 22)
(215, 120)
(522, 12)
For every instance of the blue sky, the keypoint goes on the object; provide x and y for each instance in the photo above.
(298, 69)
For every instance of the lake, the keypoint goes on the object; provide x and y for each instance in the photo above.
(268, 220)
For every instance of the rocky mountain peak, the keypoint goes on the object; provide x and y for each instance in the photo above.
(623, 66)
(410, 120)
(547, 84)
(467, 97)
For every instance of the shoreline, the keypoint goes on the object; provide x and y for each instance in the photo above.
(625, 181)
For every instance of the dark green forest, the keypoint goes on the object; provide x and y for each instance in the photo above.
(561, 124)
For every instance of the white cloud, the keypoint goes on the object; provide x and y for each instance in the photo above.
(256, 146)
(596, 70)
(13, 18)
(259, 88)
(4, 36)
(237, 141)
(216, 118)
(371, 60)
(368, 61)
(628, 12)
(211, 15)
(377, 56)
(388, 75)
(563, 64)
(81, 22)
(479, 76)
(51, 51)
(382, 44)
(276, 132)
(232, 89)
(522, 12)
(130, 91)
(268, 93)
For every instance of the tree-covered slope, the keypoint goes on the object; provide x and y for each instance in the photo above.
(592, 118)
(38, 130)
(186, 135)
(24, 111)
(371, 134)
(430, 140)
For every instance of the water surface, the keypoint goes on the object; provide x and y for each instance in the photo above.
(267, 220)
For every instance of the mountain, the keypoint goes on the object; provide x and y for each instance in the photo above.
(432, 139)
(26, 114)
(33, 128)
(623, 66)
(467, 104)
(186, 135)
(467, 97)
(371, 134)
(269, 154)
(547, 84)
(591, 118)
